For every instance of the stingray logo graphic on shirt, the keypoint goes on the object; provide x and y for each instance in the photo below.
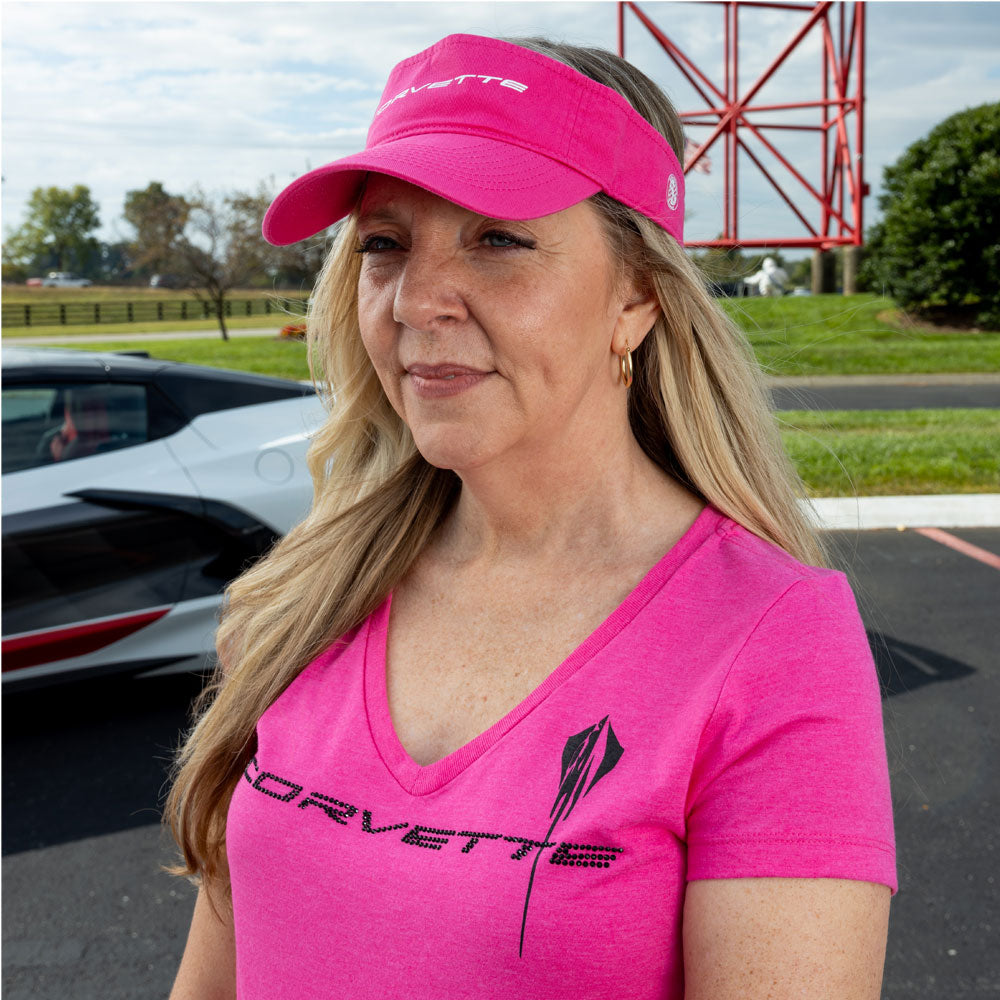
(596, 743)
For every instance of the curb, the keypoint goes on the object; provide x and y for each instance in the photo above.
(948, 510)
(914, 379)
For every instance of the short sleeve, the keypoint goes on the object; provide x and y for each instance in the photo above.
(791, 778)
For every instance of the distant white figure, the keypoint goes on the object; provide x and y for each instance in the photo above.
(770, 279)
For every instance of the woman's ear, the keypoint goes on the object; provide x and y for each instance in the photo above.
(638, 314)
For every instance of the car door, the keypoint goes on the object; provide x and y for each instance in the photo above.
(69, 560)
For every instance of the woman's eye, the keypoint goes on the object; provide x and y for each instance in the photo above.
(499, 239)
(377, 244)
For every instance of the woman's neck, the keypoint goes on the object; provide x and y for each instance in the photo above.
(566, 506)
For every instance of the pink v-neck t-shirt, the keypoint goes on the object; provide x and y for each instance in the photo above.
(723, 722)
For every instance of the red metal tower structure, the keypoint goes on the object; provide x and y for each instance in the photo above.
(733, 119)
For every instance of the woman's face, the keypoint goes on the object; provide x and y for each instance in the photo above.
(493, 340)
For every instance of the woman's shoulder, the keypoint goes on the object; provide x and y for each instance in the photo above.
(757, 561)
(755, 576)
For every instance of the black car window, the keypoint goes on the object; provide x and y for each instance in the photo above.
(43, 424)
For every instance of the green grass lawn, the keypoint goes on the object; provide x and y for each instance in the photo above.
(264, 355)
(811, 335)
(837, 453)
(888, 452)
(84, 332)
(842, 335)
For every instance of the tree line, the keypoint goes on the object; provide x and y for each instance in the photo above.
(936, 249)
(209, 244)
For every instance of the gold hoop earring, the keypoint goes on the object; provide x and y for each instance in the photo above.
(625, 370)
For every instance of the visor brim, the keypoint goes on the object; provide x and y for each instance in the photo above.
(485, 175)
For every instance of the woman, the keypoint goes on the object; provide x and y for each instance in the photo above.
(542, 698)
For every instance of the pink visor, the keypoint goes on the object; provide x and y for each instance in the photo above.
(500, 130)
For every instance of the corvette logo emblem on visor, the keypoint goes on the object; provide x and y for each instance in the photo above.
(673, 192)
(510, 84)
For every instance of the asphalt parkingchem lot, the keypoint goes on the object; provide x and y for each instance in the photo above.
(87, 914)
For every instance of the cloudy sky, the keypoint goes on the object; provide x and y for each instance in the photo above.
(227, 94)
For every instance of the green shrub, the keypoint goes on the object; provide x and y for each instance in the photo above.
(937, 249)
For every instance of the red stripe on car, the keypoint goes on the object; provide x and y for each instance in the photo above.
(74, 640)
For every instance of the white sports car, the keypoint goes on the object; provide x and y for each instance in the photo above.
(133, 491)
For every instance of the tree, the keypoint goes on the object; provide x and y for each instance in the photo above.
(937, 250)
(210, 244)
(158, 220)
(115, 266)
(298, 264)
(57, 232)
(222, 247)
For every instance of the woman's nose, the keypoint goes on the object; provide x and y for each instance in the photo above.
(429, 289)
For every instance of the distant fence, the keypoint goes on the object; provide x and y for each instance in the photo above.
(140, 311)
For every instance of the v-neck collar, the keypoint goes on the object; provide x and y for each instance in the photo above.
(417, 779)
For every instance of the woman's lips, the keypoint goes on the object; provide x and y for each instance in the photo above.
(438, 381)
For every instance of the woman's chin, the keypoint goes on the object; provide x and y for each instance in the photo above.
(450, 451)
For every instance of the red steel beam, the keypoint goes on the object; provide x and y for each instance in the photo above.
(757, 3)
(818, 12)
(763, 3)
(734, 202)
(841, 128)
(859, 147)
(726, 60)
(792, 170)
(729, 115)
(843, 146)
(827, 181)
(684, 64)
(833, 101)
(777, 187)
(784, 125)
(774, 243)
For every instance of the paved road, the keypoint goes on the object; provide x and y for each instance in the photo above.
(87, 914)
(887, 396)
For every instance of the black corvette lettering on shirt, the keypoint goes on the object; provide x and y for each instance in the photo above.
(339, 812)
(366, 824)
(432, 838)
(424, 836)
(587, 757)
(265, 776)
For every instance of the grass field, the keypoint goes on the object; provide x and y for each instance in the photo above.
(811, 335)
(849, 335)
(837, 453)
(86, 332)
(267, 356)
(889, 452)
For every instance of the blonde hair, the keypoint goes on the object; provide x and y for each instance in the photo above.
(698, 407)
